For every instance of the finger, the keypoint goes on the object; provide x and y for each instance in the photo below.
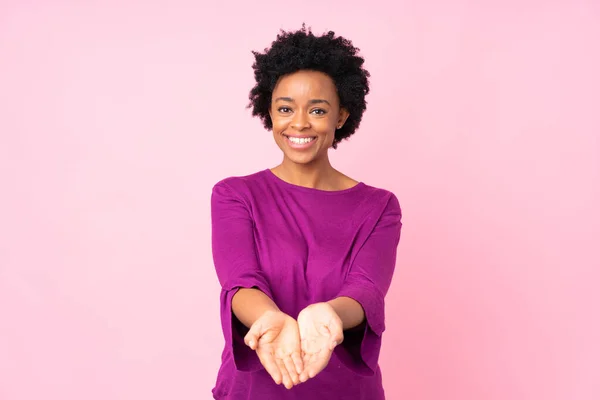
(297, 359)
(251, 338)
(338, 338)
(337, 331)
(308, 360)
(268, 361)
(319, 362)
(291, 369)
(323, 358)
(313, 369)
(287, 381)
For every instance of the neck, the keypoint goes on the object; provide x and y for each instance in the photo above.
(318, 175)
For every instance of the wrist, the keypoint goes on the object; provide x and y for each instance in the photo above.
(348, 310)
(250, 304)
(269, 311)
(318, 305)
(334, 303)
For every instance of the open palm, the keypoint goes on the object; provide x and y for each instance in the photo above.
(276, 340)
(320, 331)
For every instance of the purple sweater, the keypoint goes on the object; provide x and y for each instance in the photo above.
(302, 246)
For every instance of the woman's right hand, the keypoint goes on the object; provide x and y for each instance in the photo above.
(276, 339)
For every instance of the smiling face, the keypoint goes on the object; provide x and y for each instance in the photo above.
(305, 111)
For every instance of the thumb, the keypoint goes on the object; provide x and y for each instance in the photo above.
(255, 332)
(325, 331)
(337, 336)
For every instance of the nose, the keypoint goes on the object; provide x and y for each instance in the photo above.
(300, 121)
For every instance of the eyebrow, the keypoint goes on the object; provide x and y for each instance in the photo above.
(313, 101)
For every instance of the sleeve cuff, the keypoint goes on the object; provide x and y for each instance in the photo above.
(361, 347)
(244, 358)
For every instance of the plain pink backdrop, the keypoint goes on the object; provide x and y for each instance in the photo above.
(117, 117)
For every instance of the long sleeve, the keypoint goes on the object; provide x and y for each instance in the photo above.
(367, 282)
(236, 264)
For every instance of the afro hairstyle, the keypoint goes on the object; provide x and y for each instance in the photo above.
(302, 50)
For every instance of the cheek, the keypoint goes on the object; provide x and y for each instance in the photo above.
(326, 126)
(277, 124)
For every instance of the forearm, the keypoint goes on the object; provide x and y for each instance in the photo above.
(250, 304)
(349, 310)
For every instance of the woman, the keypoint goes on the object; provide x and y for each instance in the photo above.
(304, 253)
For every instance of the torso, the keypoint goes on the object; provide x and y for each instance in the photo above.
(306, 240)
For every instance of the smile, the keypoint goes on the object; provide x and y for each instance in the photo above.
(300, 142)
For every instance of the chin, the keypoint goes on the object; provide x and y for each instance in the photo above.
(301, 159)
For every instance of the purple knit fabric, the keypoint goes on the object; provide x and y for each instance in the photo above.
(302, 246)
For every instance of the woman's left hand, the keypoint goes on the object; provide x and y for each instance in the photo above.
(321, 330)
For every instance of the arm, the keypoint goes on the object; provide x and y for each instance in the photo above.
(257, 332)
(352, 323)
(236, 263)
(248, 305)
(365, 287)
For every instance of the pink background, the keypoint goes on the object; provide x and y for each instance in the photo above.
(117, 117)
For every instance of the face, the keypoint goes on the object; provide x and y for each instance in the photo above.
(305, 112)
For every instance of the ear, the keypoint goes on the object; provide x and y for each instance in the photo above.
(344, 114)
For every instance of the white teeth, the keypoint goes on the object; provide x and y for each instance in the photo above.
(300, 140)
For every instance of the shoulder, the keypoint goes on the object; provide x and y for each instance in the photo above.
(384, 210)
(238, 186)
(241, 181)
(384, 198)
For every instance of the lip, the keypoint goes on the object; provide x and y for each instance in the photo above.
(299, 136)
(297, 146)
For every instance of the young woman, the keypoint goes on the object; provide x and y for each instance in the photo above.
(304, 254)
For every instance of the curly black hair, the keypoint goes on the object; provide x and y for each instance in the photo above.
(302, 50)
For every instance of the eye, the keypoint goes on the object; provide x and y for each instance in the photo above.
(319, 111)
(284, 110)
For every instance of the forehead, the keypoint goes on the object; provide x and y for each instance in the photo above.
(306, 84)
